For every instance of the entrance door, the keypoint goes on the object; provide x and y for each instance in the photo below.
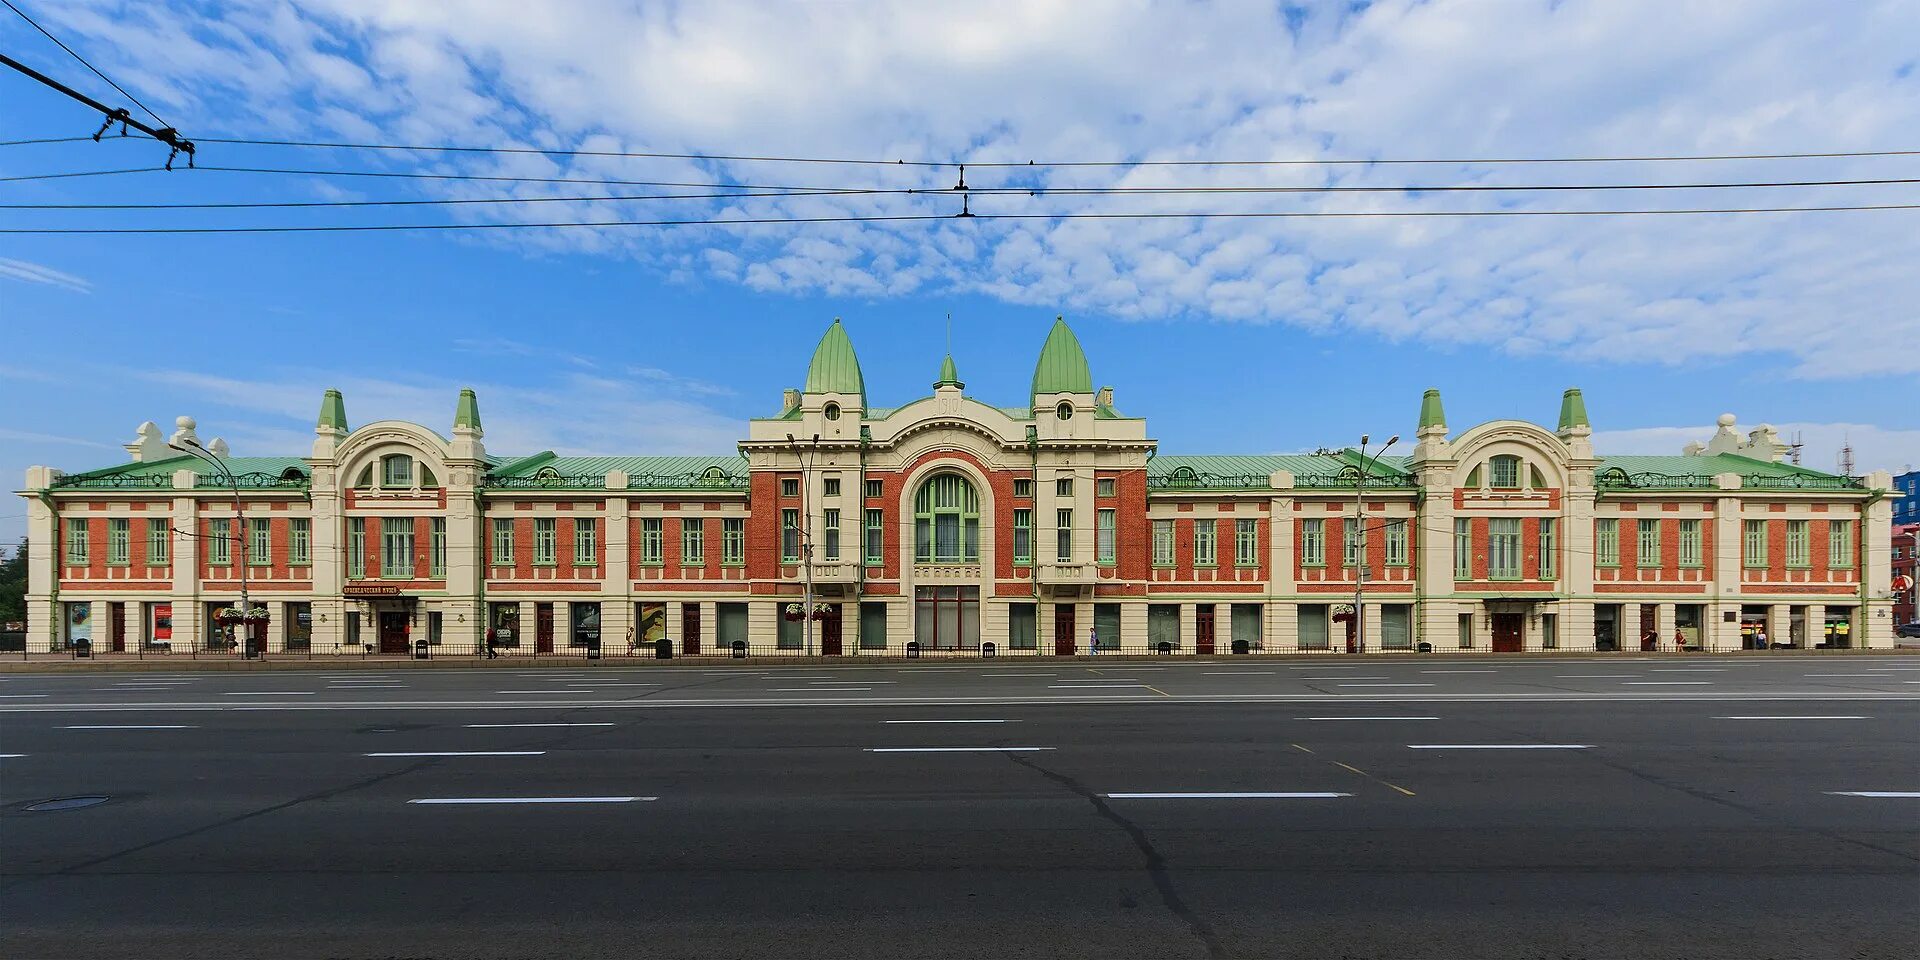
(1203, 629)
(1506, 632)
(543, 628)
(830, 631)
(393, 632)
(690, 628)
(118, 628)
(1063, 630)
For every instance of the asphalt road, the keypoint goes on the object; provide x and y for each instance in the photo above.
(1607, 808)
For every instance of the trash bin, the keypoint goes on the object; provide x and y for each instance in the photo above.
(913, 649)
(1426, 646)
(739, 648)
(663, 649)
(988, 650)
(83, 648)
(1164, 647)
(593, 648)
(421, 651)
(253, 649)
(1241, 646)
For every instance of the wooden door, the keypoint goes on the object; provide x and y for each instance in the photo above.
(543, 628)
(118, 628)
(1063, 630)
(1203, 628)
(393, 632)
(690, 628)
(1506, 632)
(830, 631)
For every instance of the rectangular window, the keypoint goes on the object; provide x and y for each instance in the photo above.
(1313, 543)
(503, 543)
(1063, 487)
(1396, 543)
(790, 536)
(873, 626)
(733, 541)
(220, 542)
(357, 548)
(1503, 548)
(159, 541)
(1350, 542)
(1648, 555)
(1606, 542)
(1206, 543)
(1462, 548)
(1246, 543)
(77, 547)
(1466, 631)
(830, 487)
(119, 531)
(1799, 536)
(436, 548)
(876, 536)
(586, 541)
(1754, 542)
(1023, 536)
(1311, 626)
(1103, 487)
(1163, 543)
(1690, 543)
(1547, 547)
(259, 542)
(831, 542)
(1840, 543)
(1104, 536)
(396, 547)
(1023, 627)
(1246, 624)
(1549, 631)
(546, 541)
(1505, 473)
(789, 486)
(300, 541)
(653, 547)
(396, 472)
(875, 490)
(1023, 488)
(693, 541)
(1063, 534)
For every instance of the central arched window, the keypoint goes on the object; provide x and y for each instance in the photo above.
(1505, 470)
(946, 520)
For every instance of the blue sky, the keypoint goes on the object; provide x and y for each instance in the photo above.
(1229, 336)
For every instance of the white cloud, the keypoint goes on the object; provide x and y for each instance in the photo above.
(26, 272)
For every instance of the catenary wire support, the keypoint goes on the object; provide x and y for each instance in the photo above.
(114, 116)
(962, 185)
(965, 206)
(166, 135)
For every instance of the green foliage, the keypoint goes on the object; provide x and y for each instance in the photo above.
(13, 584)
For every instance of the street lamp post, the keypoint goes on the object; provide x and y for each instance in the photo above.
(193, 447)
(1360, 539)
(806, 534)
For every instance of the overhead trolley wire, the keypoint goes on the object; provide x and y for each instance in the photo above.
(84, 63)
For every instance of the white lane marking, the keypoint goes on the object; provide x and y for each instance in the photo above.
(1225, 796)
(268, 693)
(949, 721)
(1881, 794)
(954, 749)
(11, 756)
(1893, 669)
(822, 683)
(1322, 667)
(1238, 673)
(130, 726)
(460, 800)
(1669, 683)
(1344, 677)
(1102, 680)
(1686, 670)
(553, 692)
(814, 689)
(1383, 684)
(806, 678)
(1795, 718)
(1099, 686)
(1595, 676)
(611, 683)
(1869, 676)
(16, 696)
(1498, 746)
(1366, 718)
(150, 683)
(493, 726)
(462, 753)
(1019, 674)
(1459, 671)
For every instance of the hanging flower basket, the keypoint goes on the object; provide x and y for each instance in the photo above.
(794, 611)
(821, 611)
(236, 615)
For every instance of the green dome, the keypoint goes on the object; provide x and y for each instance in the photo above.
(834, 368)
(1063, 365)
(949, 374)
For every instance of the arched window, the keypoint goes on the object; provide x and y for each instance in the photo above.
(946, 520)
(366, 478)
(1505, 470)
(396, 470)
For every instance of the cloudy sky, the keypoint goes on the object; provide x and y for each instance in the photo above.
(1229, 334)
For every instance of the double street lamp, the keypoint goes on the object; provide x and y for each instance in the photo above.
(1360, 538)
(239, 535)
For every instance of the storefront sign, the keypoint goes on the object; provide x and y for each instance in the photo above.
(371, 590)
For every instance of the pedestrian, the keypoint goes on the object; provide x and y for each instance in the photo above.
(1093, 640)
(491, 639)
(1679, 642)
(1650, 640)
(1760, 639)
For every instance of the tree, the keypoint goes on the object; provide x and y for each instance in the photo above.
(13, 585)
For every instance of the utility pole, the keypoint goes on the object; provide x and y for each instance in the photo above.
(120, 115)
(1360, 540)
(806, 533)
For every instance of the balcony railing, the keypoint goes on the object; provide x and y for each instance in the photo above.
(550, 481)
(1800, 482)
(1617, 479)
(711, 479)
(148, 481)
(251, 481)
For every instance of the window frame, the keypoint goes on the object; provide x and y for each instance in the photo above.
(1106, 533)
(1506, 546)
(1692, 539)
(546, 541)
(874, 543)
(436, 548)
(1840, 544)
(1547, 545)
(79, 543)
(1753, 544)
(941, 500)
(387, 472)
(1063, 535)
(1105, 487)
(1246, 542)
(1163, 543)
(1462, 548)
(159, 541)
(119, 541)
(1647, 543)
(653, 541)
(1606, 542)
(875, 489)
(220, 542)
(1500, 463)
(789, 487)
(693, 541)
(396, 531)
(1799, 544)
(830, 487)
(259, 542)
(830, 541)
(1023, 488)
(1210, 556)
(586, 541)
(356, 548)
(1023, 536)
(502, 553)
(1396, 542)
(1313, 542)
(733, 541)
(1063, 486)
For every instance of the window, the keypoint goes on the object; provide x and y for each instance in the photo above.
(790, 536)
(831, 411)
(77, 547)
(1246, 625)
(545, 541)
(396, 546)
(1840, 543)
(693, 541)
(873, 626)
(1466, 631)
(357, 548)
(1023, 536)
(1163, 543)
(1547, 531)
(1505, 472)
(733, 541)
(1311, 626)
(1549, 631)
(1023, 488)
(1103, 487)
(1105, 531)
(946, 520)
(653, 541)
(396, 470)
(876, 490)
(1206, 549)
(1064, 411)
(1351, 531)
(831, 487)
(876, 536)
(1462, 548)
(1063, 535)
(259, 542)
(1606, 542)
(1063, 487)
(1754, 542)
(1648, 557)
(118, 533)
(1313, 543)
(1689, 543)
(503, 542)
(789, 486)
(1246, 543)
(1396, 543)
(1503, 548)
(1798, 539)
(1023, 627)
(159, 540)
(586, 541)
(832, 534)
(436, 548)
(220, 544)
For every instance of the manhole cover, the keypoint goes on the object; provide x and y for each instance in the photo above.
(66, 803)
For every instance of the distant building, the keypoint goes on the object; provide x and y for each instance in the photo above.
(1907, 508)
(950, 523)
(1906, 550)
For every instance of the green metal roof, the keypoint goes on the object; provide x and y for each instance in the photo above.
(466, 413)
(333, 410)
(1431, 413)
(1711, 465)
(835, 368)
(252, 472)
(1573, 410)
(948, 373)
(1063, 365)
(631, 466)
